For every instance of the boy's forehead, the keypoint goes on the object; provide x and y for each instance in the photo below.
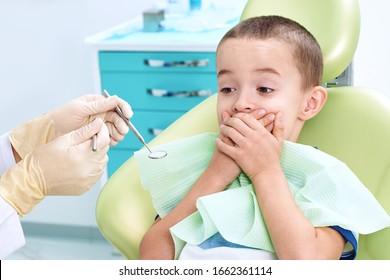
(252, 42)
(256, 55)
(253, 48)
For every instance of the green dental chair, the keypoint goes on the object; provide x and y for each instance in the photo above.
(353, 126)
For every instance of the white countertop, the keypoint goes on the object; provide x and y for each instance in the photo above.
(190, 32)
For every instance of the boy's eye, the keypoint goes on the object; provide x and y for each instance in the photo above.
(227, 90)
(264, 89)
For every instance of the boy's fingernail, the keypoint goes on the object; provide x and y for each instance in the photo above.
(261, 112)
(271, 117)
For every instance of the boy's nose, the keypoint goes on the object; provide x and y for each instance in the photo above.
(243, 104)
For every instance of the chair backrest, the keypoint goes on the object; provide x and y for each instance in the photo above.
(353, 126)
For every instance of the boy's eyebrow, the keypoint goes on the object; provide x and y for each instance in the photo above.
(261, 70)
(223, 72)
(267, 70)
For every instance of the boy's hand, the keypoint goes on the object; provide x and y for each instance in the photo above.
(255, 149)
(221, 165)
(225, 165)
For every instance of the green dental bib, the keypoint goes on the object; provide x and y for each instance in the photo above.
(325, 189)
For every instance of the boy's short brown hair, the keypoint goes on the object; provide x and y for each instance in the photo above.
(306, 50)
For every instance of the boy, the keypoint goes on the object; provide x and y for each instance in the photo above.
(265, 64)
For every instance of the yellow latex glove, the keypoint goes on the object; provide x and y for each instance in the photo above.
(64, 166)
(69, 117)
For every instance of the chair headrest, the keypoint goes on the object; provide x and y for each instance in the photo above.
(334, 23)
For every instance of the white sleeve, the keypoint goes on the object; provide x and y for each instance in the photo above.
(6, 156)
(11, 232)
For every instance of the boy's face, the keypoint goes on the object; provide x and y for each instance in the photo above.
(260, 74)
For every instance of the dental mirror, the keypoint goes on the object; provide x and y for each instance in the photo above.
(152, 155)
(157, 154)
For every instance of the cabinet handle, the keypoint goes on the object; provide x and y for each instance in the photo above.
(155, 131)
(183, 63)
(168, 93)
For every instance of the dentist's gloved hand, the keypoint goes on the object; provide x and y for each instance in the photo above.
(69, 117)
(64, 166)
(82, 110)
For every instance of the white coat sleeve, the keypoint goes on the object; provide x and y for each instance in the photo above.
(11, 232)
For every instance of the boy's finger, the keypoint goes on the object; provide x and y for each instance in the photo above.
(259, 114)
(226, 139)
(270, 127)
(223, 147)
(267, 120)
(278, 129)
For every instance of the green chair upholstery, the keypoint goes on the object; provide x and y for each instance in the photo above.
(353, 126)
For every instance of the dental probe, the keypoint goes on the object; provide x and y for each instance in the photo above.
(152, 155)
(94, 143)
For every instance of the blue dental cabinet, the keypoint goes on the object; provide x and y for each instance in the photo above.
(160, 74)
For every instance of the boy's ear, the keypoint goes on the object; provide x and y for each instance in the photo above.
(314, 103)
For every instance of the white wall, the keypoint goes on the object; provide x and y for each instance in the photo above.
(372, 57)
(43, 59)
(44, 63)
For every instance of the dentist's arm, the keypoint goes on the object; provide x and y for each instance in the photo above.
(64, 166)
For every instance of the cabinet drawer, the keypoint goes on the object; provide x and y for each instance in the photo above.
(165, 62)
(149, 124)
(179, 91)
